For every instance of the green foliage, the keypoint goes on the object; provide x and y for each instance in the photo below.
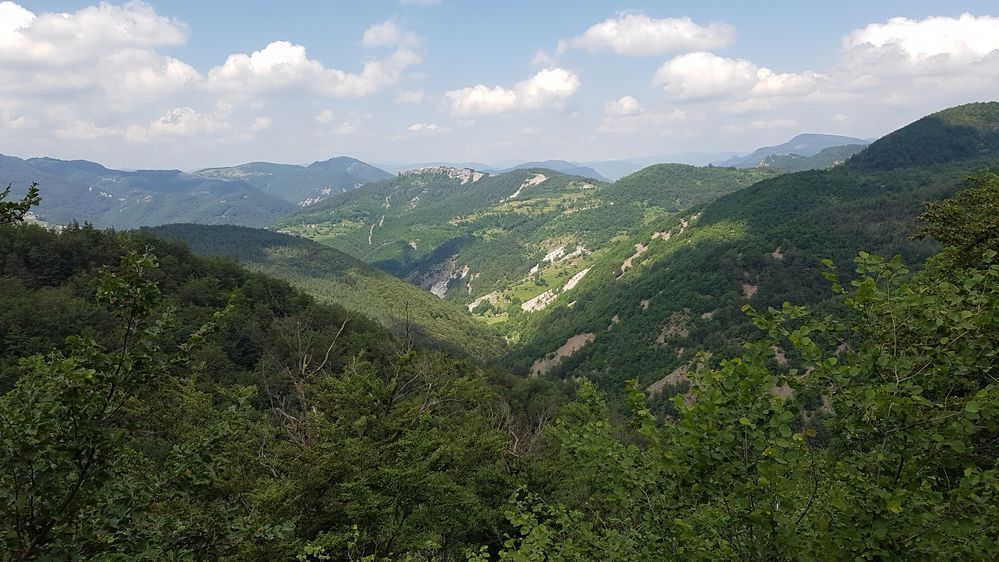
(75, 476)
(897, 460)
(14, 211)
(84, 191)
(334, 277)
(423, 227)
(757, 245)
(200, 411)
(968, 222)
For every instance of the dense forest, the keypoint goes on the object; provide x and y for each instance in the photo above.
(159, 405)
(741, 392)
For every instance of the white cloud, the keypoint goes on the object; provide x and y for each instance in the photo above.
(341, 125)
(542, 58)
(389, 34)
(261, 123)
(62, 39)
(966, 38)
(636, 34)
(703, 75)
(178, 122)
(426, 128)
(641, 120)
(105, 48)
(281, 66)
(548, 87)
(626, 105)
(410, 96)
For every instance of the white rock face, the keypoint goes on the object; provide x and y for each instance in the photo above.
(539, 302)
(575, 279)
(493, 298)
(464, 175)
(529, 182)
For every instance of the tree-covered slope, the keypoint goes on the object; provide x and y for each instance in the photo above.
(84, 191)
(469, 236)
(808, 144)
(301, 185)
(655, 298)
(334, 277)
(826, 158)
(161, 405)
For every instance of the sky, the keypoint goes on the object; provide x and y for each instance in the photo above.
(191, 84)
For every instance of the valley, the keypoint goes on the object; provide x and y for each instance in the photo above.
(469, 334)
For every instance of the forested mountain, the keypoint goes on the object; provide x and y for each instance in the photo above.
(331, 276)
(78, 190)
(808, 144)
(736, 398)
(563, 166)
(474, 237)
(650, 302)
(159, 405)
(826, 158)
(301, 185)
(172, 411)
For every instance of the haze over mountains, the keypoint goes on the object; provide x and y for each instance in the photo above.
(545, 253)
(256, 193)
(468, 335)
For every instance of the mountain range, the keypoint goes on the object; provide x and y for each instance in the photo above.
(451, 363)
(807, 144)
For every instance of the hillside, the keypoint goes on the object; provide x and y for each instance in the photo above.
(562, 166)
(331, 276)
(473, 237)
(301, 185)
(826, 158)
(653, 299)
(808, 144)
(84, 191)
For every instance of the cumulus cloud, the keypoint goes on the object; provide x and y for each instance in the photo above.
(965, 38)
(625, 105)
(282, 65)
(705, 75)
(548, 87)
(636, 34)
(178, 122)
(63, 39)
(105, 48)
(389, 34)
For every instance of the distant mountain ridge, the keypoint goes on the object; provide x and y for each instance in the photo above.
(563, 166)
(806, 144)
(252, 194)
(78, 190)
(472, 237)
(301, 185)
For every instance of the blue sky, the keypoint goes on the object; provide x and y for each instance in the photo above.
(188, 84)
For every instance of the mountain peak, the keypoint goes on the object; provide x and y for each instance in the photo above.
(464, 175)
